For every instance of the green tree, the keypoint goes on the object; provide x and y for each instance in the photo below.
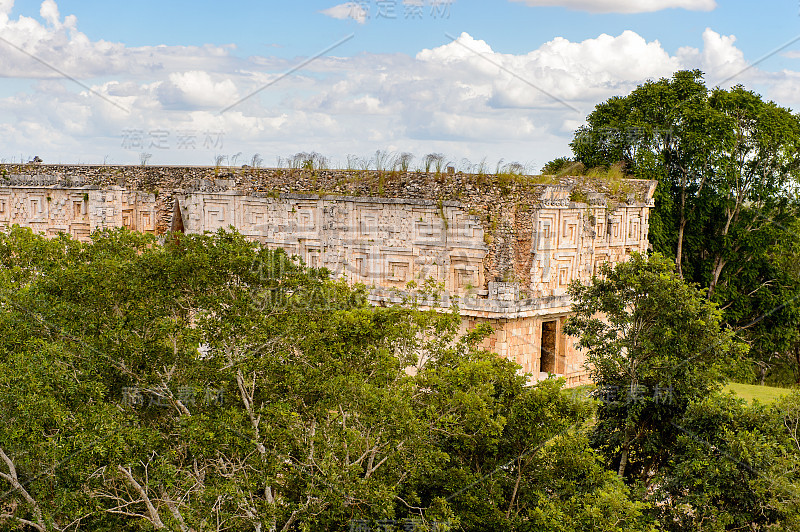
(653, 345)
(733, 467)
(571, 489)
(763, 296)
(237, 388)
(208, 383)
(558, 166)
(727, 163)
(755, 173)
(664, 130)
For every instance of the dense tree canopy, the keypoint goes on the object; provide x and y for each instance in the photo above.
(207, 383)
(654, 345)
(733, 467)
(699, 459)
(727, 162)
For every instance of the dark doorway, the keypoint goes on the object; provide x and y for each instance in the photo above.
(547, 363)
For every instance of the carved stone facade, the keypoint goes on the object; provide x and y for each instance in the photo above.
(380, 242)
(76, 211)
(512, 273)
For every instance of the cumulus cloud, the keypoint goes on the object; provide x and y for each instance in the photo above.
(57, 46)
(624, 6)
(559, 71)
(49, 12)
(347, 10)
(463, 98)
(196, 89)
(720, 55)
(465, 47)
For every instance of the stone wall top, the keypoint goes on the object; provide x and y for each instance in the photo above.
(470, 189)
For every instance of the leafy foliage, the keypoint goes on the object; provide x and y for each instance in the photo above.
(654, 345)
(733, 467)
(727, 162)
(207, 383)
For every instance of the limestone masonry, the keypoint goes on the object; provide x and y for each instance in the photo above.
(505, 247)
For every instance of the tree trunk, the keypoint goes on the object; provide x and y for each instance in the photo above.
(719, 264)
(626, 446)
(679, 252)
(623, 461)
(681, 228)
(797, 359)
(516, 487)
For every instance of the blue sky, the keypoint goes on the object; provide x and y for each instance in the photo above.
(152, 77)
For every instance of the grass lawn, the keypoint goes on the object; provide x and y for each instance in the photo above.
(764, 394)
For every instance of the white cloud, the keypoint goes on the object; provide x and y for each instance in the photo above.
(59, 46)
(624, 6)
(464, 47)
(196, 89)
(347, 10)
(558, 71)
(464, 98)
(720, 55)
(49, 12)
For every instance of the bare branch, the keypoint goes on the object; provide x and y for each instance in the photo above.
(154, 518)
(11, 477)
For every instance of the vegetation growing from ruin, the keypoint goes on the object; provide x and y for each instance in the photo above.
(578, 196)
(442, 214)
(385, 174)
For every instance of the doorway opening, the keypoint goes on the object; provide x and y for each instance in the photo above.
(547, 361)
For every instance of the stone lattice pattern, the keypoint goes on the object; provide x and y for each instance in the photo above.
(506, 252)
(76, 211)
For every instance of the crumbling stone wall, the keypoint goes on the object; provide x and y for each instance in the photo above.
(505, 247)
(77, 211)
(516, 213)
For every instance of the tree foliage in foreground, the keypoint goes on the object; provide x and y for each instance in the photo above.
(698, 459)
(207, 383)
(654, 345)
(210, 384)
(733, 467)
(728, 163)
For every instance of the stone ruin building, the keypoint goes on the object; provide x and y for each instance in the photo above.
(505, 247)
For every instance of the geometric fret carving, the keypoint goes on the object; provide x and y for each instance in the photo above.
(379, 243)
